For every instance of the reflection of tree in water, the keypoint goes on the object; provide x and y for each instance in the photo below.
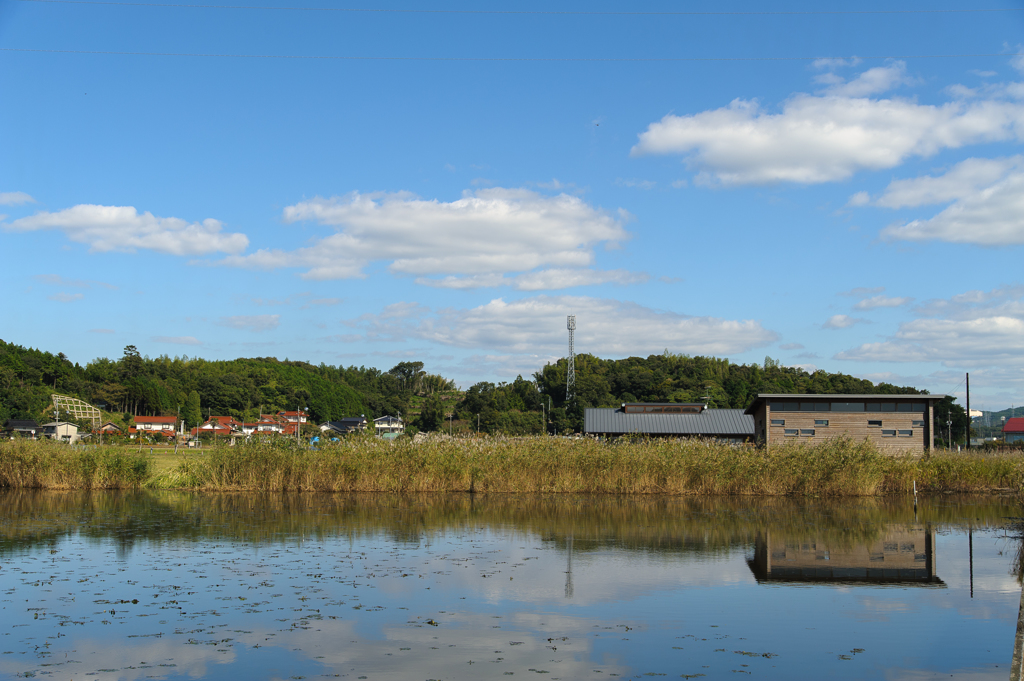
(655, 524)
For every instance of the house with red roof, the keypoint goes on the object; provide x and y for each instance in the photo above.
(294, 416)
(163, 425)
(1013, 430)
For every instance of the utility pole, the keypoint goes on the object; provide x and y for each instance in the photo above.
(570, 381)
(968, 438)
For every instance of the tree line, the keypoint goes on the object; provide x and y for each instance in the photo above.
(194, 388)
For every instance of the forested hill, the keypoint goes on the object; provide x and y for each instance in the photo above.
(680, 378)
(134, 385)
(519, 407)
(194, 387)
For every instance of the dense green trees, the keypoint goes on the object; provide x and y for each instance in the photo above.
(243, 388)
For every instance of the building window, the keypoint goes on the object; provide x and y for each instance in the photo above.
(874, 424)
(778, 422)
(847, 406)
(917, 424)
(783, 406)
(807, 432)
(823, 423)
(791, 432)
(910, 406)
(905, 433)
(888, 433)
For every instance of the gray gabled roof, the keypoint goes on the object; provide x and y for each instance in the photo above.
(710, 422)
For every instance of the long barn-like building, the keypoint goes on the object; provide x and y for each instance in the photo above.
(892, 422)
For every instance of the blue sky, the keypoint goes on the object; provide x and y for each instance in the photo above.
(838, 186)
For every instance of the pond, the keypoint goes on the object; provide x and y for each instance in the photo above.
(167, 585)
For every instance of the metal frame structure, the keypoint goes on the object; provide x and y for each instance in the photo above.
(76, 408)
(570, 381)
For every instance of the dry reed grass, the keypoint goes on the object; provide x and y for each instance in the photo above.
(51, 465)
(838, 467)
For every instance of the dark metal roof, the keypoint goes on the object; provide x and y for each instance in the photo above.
(840, 397)
(710, 422)
(12, 424)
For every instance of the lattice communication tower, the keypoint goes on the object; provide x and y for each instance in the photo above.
(72, 407)
(570, 381)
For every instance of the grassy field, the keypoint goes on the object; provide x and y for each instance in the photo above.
(838, 467)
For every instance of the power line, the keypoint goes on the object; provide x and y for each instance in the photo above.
(535, 12)
(222, 55)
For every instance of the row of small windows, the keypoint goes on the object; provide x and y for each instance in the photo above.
(918, 407)
(809, 432)
(823, 423)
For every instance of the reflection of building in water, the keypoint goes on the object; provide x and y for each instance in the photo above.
(903, 553)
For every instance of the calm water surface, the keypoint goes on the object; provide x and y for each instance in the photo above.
(175, 585)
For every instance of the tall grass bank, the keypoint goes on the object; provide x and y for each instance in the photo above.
(839, 467)
(43, 464)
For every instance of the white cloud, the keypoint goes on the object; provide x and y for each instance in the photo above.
(980, 330)
(66, 297)
(990, 216)
(859, 199)
(950, 341)
(873, 81)
(841, 321)
(486, 232)
(543, 280)
(122, 228)
(259, 322)
(15, 198)
(961, 181)
(881, 301)
(537, 326)
(177, 340)
(826, 137)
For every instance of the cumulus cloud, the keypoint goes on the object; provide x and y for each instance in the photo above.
(987, 206)
(873, 81)
(841, 321)
(259, 322)
(486, 232)
(537, 326)
(976, 328)
(542, 280)
(177, 340)
(961, 181)
(829, 136)
(881, 301)
(15, 198)
(122, 228)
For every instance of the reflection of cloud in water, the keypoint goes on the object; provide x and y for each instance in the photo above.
(126, 660)
(539, 574)
(463, 645)
(987, 674)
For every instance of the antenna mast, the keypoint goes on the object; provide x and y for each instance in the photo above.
(570, 381)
